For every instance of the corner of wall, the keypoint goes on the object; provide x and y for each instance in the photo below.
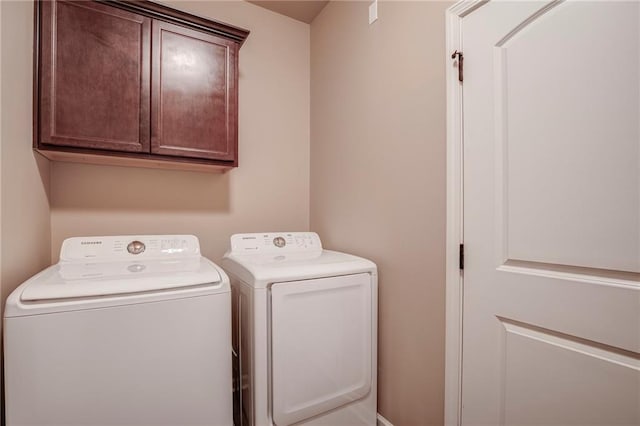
(378, 142)
(24, 177)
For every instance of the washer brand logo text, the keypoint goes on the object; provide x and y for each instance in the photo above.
(85, 243)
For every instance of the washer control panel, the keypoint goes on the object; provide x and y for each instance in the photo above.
(275, 242)
(129, 247)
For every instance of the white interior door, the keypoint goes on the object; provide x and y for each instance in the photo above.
(551, 321)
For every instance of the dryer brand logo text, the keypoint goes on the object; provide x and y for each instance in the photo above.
(86, 243)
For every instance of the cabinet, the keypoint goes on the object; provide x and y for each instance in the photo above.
(135, 83)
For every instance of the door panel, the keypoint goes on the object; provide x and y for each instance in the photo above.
(551, 213)
(95, 77)
(593, 384)
(569, 132)
(321, 334)
(194, 104)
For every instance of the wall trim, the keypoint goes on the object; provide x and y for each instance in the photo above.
(381, 421)
(455, 225)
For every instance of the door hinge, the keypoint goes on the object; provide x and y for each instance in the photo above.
(461, 257)
(460, 57)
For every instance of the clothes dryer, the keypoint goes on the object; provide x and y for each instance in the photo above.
(304, 332)
(128, 330)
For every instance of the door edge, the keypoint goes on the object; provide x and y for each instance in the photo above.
(454, 230)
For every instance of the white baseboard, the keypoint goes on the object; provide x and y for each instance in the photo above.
(382, 421)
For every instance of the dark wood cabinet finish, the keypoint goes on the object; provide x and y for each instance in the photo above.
(194, 106)
(135, 83)
(95, 81)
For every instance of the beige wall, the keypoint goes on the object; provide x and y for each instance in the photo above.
(377, 168)
(25, 230)
(25, 225)
(378, 181)
(268, 192)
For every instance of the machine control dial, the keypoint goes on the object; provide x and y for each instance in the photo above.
(279, 242)
(136, 247)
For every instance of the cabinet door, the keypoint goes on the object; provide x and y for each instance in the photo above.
(193, 95)
(94, 78)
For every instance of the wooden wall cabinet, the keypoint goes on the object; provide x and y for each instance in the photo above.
(135, 83)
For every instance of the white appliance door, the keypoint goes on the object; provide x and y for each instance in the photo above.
(320, 345)
(551, 213)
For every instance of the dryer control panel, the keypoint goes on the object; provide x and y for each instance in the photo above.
(275, 242)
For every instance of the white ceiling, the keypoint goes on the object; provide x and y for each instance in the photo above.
(302, 10)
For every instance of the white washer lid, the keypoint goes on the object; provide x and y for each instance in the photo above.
(78, 280)
(104, 266)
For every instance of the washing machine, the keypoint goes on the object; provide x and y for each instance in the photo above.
(304, 332)
(124, 330)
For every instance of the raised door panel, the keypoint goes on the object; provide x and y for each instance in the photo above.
(569, 136)
(194, 100)
(321, 337)
(94, 77)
